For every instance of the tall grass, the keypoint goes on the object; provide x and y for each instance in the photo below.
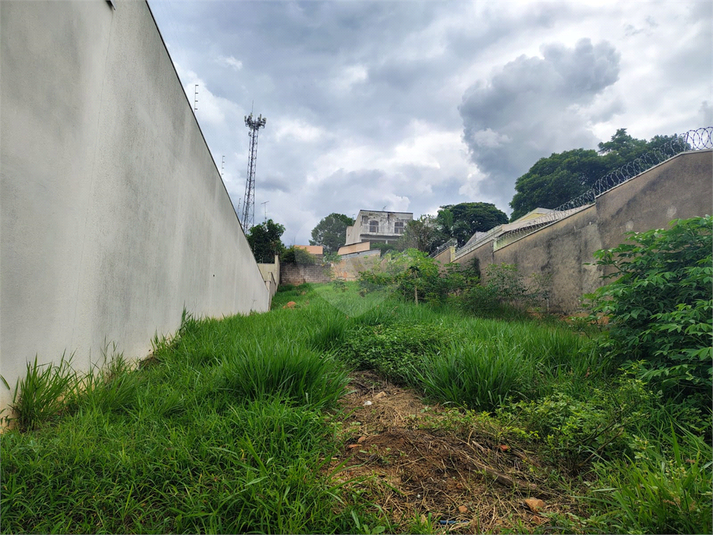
(293, 372)
(477, 376)
(224, 429)
(664, 488)
(39, 397)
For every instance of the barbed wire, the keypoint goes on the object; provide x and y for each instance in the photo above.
(698, 139)
(443, 247)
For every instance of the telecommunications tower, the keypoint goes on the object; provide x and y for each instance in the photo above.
(249, 200)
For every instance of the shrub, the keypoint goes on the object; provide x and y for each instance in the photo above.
(505, 293)
(418, 278)
(576, 429)
(659, 305)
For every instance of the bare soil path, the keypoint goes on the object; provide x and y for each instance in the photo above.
(431, 463)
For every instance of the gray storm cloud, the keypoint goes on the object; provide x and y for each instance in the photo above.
(532, 107)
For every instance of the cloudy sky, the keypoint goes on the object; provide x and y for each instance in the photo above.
(410, 105)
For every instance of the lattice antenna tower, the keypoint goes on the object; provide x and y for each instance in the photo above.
(254, 125)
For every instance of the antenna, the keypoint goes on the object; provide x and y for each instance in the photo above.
(264, 205)
(222, 166)
(254, 125)
(195, 98)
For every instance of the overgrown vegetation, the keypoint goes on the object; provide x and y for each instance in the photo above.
(235, 425)
(659, 307)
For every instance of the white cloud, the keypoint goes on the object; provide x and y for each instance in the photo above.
(231, 62)
(287, 130)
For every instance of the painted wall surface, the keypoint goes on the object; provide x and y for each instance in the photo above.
(354, 248)
(113, 214)
(271, 275)
(679, 188)
(317, 250)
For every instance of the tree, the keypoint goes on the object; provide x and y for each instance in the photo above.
(461, 221)
(331, 232)
(264, 240)
(561, 177)
(557, 179)
(421, 234)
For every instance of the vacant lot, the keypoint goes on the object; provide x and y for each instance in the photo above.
(344, 411)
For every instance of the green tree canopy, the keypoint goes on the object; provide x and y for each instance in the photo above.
(421, 234)
(461, 221)
(264, 240)
(331, 232)
(561, 177)
(557, 179)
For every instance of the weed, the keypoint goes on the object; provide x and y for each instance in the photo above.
(39, 397)
(292, 371)
(664, 488)
(478, 376)
(391, 349)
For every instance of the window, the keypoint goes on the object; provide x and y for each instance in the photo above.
(399, 227)
(373, 227)
(364, 219)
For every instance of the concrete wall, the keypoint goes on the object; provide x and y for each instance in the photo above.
(113, 214)
(679, 188)
(446, 256)
(301, 273)
(354, 248)
(271, 275)
(349, 267)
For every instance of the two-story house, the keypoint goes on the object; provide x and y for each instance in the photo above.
(377, 226)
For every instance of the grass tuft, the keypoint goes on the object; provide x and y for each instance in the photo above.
(39, 397)
(291, 371)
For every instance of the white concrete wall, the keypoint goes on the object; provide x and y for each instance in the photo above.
(113, 214)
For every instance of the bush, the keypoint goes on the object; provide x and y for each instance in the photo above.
(576, 429)
(418, 278)
(659, 306)
(505, 294)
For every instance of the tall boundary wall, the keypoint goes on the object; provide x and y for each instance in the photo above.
(113, 215)
(679, 188)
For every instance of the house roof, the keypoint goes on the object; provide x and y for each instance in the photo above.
(386, 212)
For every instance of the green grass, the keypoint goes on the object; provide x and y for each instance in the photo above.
(229, 427)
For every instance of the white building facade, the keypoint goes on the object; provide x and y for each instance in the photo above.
(377, 226)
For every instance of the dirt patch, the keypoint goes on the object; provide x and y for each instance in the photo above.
(416, 464)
